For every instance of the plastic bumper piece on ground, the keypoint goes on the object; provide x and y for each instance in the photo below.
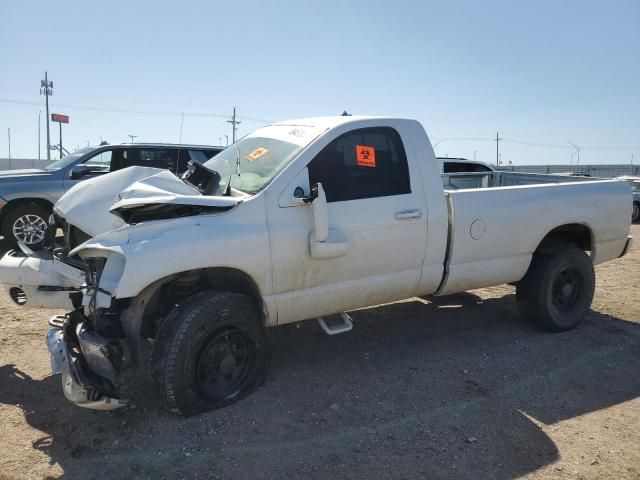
(75, 386)
(627, 246)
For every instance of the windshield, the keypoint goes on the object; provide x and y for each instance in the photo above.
(253, 161)
(69, 159)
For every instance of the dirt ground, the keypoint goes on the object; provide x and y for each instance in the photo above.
(455, 387)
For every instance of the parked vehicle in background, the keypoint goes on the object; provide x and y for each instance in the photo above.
(27, 196)
(463, 165)
(305, 219)
(635, 188)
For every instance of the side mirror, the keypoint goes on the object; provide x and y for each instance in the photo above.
(323, 241)
(320, 212)
(78, 171)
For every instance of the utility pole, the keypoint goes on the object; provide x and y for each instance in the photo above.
(9, 135)
(227, 137)
(497, 140)
(46, 89)
(234, 124)
(132, 137)
(39, 113)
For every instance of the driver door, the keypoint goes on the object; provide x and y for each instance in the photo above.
(374, 207)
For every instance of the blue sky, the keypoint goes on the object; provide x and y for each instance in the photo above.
(541, 73)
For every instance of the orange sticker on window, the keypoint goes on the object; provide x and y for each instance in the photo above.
(256, 154)
(365, 156)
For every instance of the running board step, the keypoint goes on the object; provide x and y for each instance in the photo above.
(335, 328)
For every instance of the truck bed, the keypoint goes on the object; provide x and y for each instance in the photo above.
(498, 220)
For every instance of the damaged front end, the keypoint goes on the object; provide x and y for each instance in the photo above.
(89, 363)
(88, 345)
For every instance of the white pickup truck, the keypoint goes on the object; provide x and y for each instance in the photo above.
(298, 220)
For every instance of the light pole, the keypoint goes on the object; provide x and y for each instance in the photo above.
(576, 152)
(227, 137)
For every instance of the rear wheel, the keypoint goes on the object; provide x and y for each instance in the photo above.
(558, 288)
(635, 216)
(210, 352)
(26, 223)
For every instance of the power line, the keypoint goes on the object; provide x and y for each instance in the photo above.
(139, 112)
(529, 143)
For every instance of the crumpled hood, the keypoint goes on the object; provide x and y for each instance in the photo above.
(88, 205)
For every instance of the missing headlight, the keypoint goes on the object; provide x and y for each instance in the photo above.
(93, 271)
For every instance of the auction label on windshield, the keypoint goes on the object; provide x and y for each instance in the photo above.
(256, 154)
(365, 156)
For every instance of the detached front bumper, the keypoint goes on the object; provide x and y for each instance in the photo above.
(78, 379)
(38, 281)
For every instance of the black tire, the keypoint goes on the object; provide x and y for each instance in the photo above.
(22, 217)
(558, 288)
(635, 215)
(211, 351)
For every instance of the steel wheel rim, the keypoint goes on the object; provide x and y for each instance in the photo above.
(225, 363)
(567, 289)
(29, 229)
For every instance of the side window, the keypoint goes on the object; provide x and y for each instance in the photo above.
(100, 162)
(159, 158)
(365, 163)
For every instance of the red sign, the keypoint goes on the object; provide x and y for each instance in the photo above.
(365, 156)
(56, 117)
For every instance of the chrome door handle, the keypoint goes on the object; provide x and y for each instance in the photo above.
(408, 214)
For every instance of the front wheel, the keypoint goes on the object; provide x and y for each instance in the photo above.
(558, 288)
(27, 224)
(211, 351)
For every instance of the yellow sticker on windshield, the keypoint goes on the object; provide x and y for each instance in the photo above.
(256, 154)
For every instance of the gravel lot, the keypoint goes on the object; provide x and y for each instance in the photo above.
(454, 387)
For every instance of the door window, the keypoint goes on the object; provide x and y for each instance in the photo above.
(101, 162)
(364, 163)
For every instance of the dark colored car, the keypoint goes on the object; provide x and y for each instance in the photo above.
(27, 196)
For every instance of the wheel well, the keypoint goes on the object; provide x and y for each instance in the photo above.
(19, 202)
(164, 294)
(574, 233)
